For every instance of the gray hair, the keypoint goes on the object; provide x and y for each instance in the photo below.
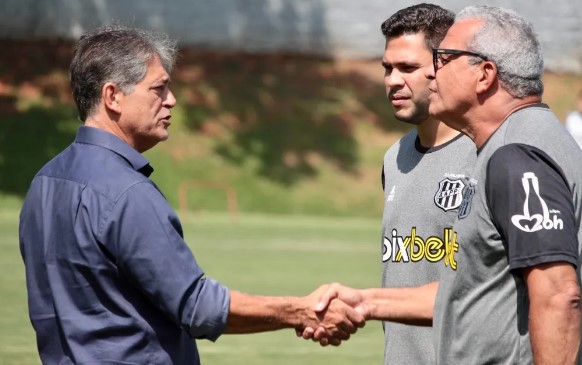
(508, 40)
(116, 54)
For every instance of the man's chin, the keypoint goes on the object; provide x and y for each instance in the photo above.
(163, 134)
(408, 118)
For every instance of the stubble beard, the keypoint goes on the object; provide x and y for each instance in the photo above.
(415, 116)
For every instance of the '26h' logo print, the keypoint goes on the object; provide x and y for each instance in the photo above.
(532, 219)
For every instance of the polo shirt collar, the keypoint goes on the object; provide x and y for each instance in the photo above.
(101, 138)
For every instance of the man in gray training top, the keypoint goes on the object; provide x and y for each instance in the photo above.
(423, 174)
(514, 297)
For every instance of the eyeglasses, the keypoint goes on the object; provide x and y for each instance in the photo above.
(437, 55)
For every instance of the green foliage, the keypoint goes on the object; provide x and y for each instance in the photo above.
(283, 132)
(278, 111)
(28, 140)
(288, 134)
(258, 254)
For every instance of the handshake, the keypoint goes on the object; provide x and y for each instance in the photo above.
(334, 313)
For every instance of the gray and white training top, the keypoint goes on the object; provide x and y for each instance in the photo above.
(423, 190)
(522, 208)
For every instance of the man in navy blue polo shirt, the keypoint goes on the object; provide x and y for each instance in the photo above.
(110, 279)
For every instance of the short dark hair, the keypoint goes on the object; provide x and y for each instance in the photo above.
(431, 20)
(115, 54)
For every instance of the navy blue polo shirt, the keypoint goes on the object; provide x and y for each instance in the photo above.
(110, 279)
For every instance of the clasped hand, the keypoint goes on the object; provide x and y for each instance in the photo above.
(338, 313)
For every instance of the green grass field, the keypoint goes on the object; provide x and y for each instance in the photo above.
(269, 255)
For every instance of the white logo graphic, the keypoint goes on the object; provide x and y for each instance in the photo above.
(391, 194)
(449, 194)
(532, 220)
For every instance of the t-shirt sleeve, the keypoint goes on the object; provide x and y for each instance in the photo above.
(145, 236)
(531, 205)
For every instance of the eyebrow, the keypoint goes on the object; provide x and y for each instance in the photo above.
(163, 80)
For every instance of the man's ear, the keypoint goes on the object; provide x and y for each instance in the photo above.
(487, 77)
(111, 96)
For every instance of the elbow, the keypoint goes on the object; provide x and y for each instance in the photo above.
(569, 298)
(574, 298)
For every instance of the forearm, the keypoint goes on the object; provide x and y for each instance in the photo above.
(554, 313)
(414, 305)
(555, 330)
(251, 313)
